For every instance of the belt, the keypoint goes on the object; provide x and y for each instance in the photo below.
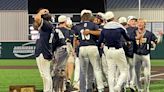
(114, 47)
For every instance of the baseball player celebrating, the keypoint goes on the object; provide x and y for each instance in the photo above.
(115, 55)
(128, 47)
(100, 21)
(142, 54)
(42, 51)
(88, 53)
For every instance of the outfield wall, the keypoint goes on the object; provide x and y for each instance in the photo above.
(15, 50)
(158, 53)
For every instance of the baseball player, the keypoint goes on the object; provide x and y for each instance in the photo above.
(123, 21)
(129, 52)
(61, 54)
(128, 48)
(42, 51)
(88, 53)
(100, 21)
(142, 54)
(71, 53)
(76, 82)
(115, 55)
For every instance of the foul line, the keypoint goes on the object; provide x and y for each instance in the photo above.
(155, 75)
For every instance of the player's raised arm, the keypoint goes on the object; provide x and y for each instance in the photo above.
(154, 38)
(38, 18)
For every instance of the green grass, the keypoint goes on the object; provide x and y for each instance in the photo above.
(32, 77)
(19, 77)
(157, 62)
(17, 62)
(23, 62)
(157, 86)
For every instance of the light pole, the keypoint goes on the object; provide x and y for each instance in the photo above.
(139, 8)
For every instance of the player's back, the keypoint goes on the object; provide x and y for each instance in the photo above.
(113, 37)
(112, 33)
(86, 40)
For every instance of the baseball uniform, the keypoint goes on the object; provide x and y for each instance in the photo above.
(43, 54)
(142, 58)
(115, 55)
(88, 55)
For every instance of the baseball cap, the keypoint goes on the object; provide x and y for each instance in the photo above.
(62, 18)
(100, 15)
(109, 15)
(69, 21)
(122, 20)
(131, 18)
(85, 11)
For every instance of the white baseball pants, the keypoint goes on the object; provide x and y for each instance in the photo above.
(104, 66)
(77, 72)
(116, 57)
(143, 60)
(44, 69)
(131, 80)
(89, 55)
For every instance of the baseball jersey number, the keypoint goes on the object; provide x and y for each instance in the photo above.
(84, 37)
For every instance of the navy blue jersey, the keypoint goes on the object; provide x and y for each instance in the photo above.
(100, 27)
(86, 40)
(71, 36)
(77, 51)
(128, 45)
(42, 44)
(112, 33)
(68, 34)
(65, 33)
(101, 51)
(143, 46)
(61, 36)
(76, 47)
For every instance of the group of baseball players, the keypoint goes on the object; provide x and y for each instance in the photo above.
(100, 50)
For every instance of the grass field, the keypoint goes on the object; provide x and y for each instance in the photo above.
(31, 76)
(19, 76)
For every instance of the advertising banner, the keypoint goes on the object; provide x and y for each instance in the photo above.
(17, 49)
(21, 50)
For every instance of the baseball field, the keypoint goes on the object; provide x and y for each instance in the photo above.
(25, 72)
